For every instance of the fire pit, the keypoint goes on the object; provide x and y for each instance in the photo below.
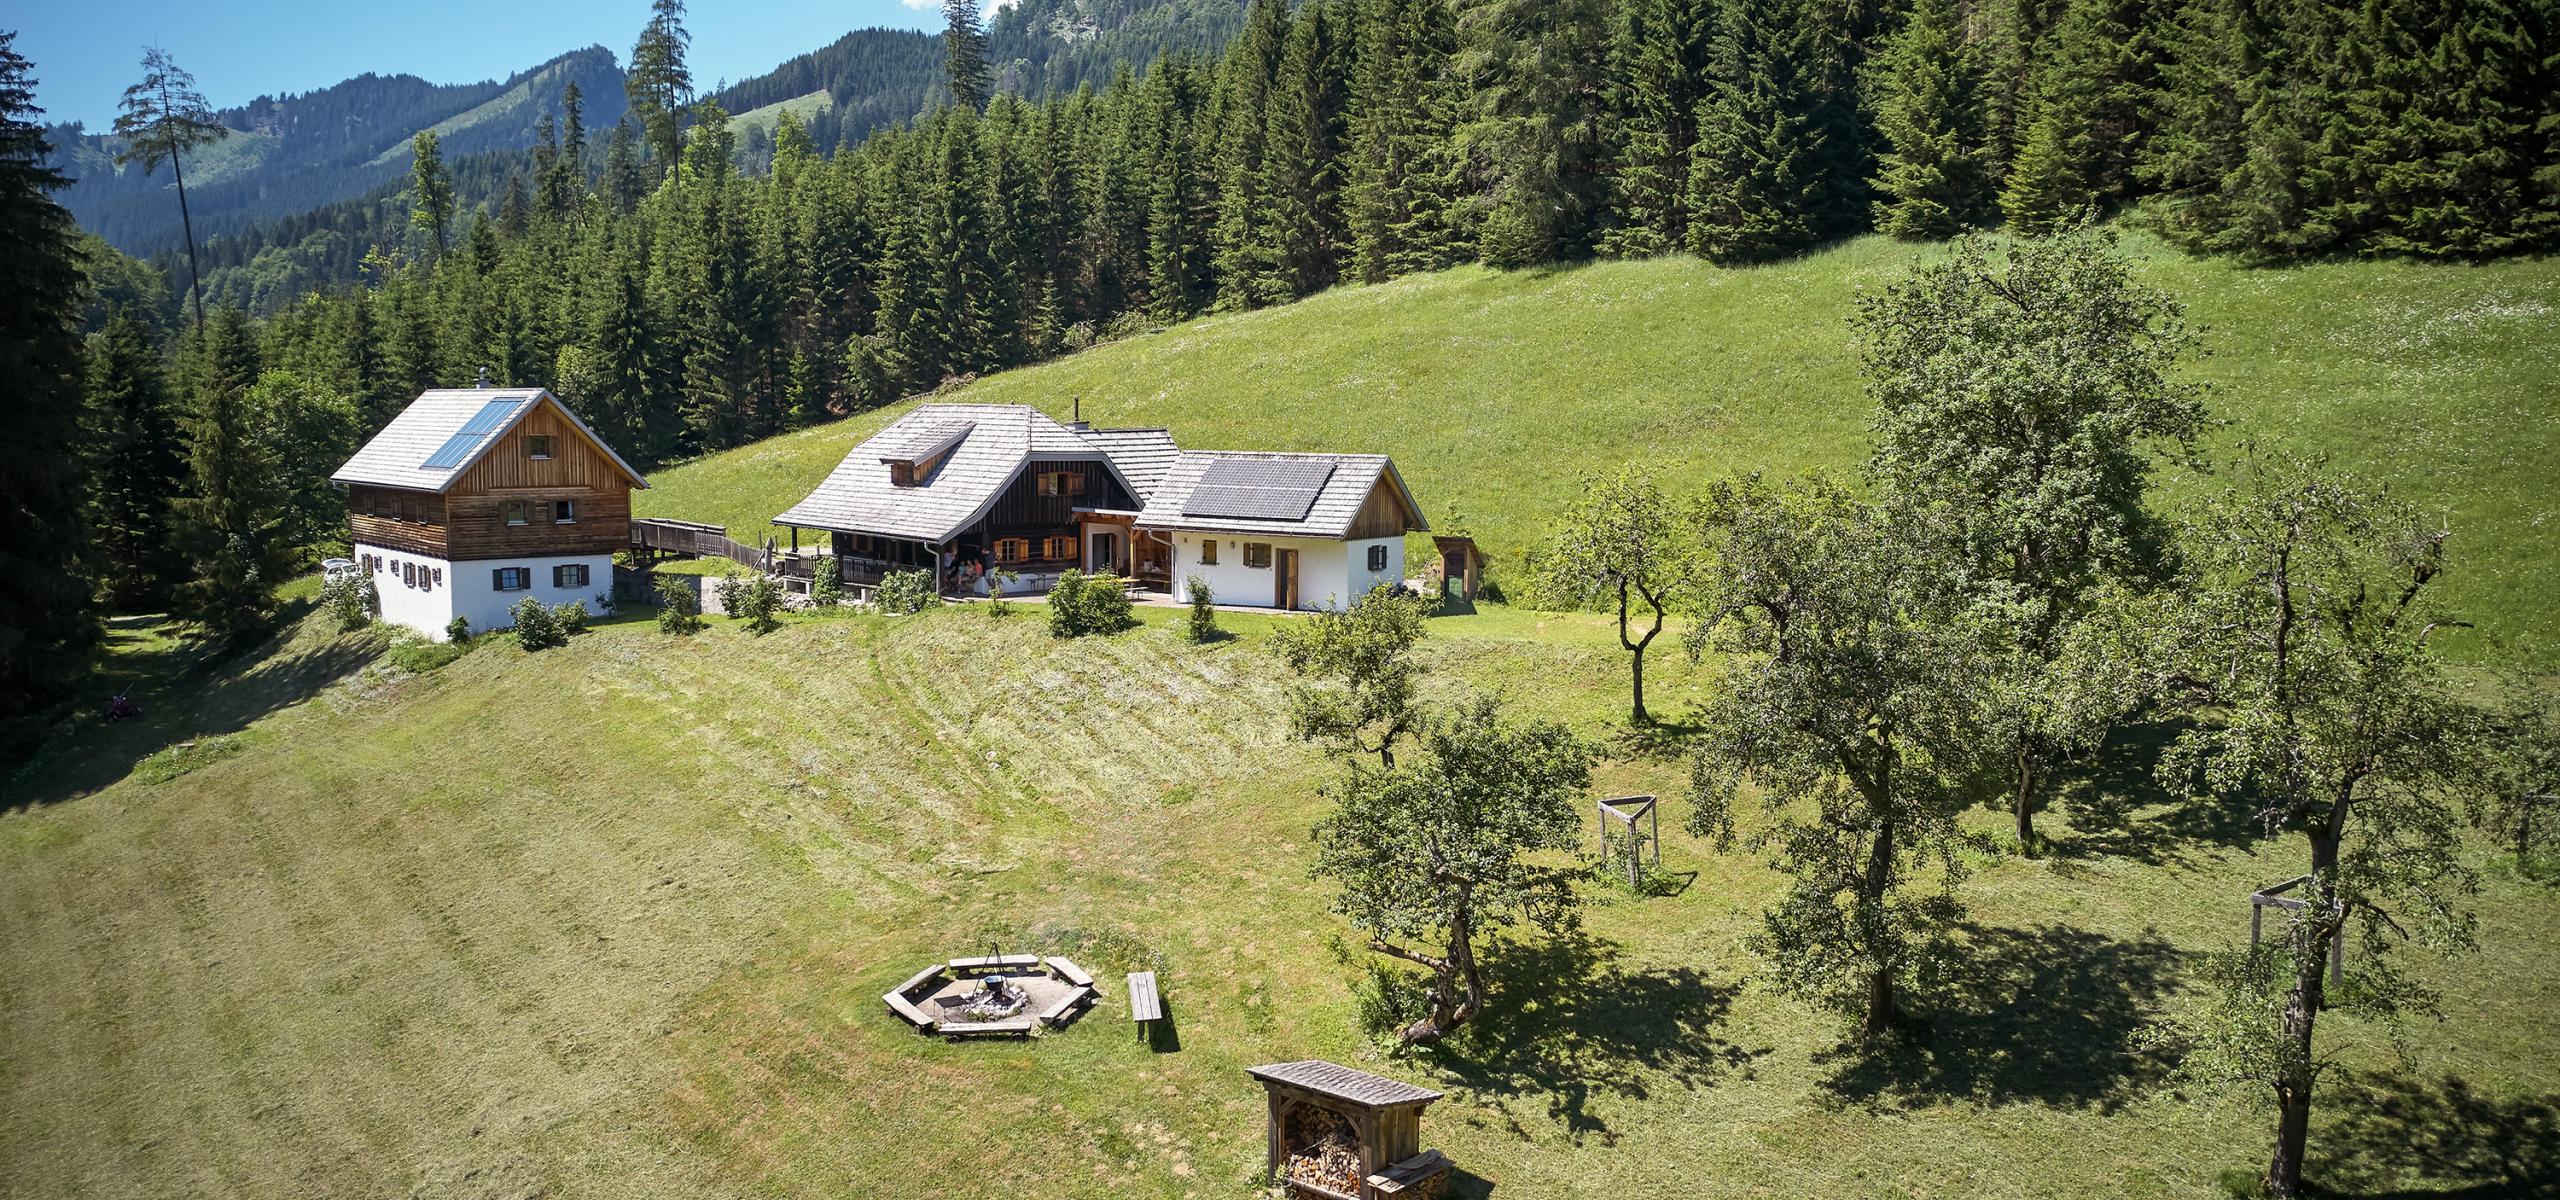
(1342, 1134)
(994, 996)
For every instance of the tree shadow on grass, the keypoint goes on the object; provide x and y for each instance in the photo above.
(187, 689)
(2041, 1015)
(2119, 808)
(1657, 739)
(1565, 1022)
(2394, 1137)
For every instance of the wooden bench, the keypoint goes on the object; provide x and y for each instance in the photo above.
(1056, 1013)
(995, 962)
(1144, 1003)
(899, 1004)
(1069, 971)
(917, 981)
(1016, 1026)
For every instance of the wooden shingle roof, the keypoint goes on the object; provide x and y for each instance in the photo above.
(1344, 1083)
(1336, 505)
(422, 449)
(991, 446)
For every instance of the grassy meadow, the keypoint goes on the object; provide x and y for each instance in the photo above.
(614, 919)
(1497, 391)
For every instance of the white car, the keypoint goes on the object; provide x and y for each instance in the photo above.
(335, 569)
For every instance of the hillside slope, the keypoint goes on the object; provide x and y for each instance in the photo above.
(1496, 392)
(613, 920)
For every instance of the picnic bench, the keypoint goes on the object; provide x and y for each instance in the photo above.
(1145, 1005)
(1067, 970)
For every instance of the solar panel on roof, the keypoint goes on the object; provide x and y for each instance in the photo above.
(491, 418)
(1255, 489)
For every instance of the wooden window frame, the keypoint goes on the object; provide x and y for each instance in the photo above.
(537, 446)
(1059, 547)
(1378, 557)
(1208, 552)
(516, 512)
(498, 579)
(409, 575)
(1250, 555)
(1011, 550)
(564, 512)
(569, 575)
(1060, 483)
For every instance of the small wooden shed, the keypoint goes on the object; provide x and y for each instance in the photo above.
(1345, 1134)
(1461, 567)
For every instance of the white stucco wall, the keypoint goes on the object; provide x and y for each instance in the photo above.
(469, 589)
(1331, 574)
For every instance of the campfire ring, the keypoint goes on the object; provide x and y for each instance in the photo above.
(999, 995)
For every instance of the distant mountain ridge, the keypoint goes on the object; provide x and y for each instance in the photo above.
(293, 155)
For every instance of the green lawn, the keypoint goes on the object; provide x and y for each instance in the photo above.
(1496, 391)
(613, 920)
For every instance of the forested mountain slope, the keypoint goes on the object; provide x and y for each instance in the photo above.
(333, 162)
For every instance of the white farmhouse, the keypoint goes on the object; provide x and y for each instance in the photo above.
(473, 499)
(1296, 531)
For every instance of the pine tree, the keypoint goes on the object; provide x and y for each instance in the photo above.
(1240, 261)
(1299, 235)
(623, 184)
(230, 515)
(1657, 60)
(164, 117)
(47, 626)
(1531, 70)
(430, 190)
(964, 55)
(2453, 109)
(1934, 181)
(1403, 178)
(133, 437)
(659, 84)
(1755, 182)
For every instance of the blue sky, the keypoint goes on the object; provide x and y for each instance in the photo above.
(86, 51)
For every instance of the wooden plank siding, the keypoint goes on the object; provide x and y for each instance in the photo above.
(1022, 511)
(1383, 514)
(397, 519)
(468, 521)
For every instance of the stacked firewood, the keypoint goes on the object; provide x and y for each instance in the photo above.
(1332, 1164)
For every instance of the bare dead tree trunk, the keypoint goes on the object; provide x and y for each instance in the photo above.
(187, 223)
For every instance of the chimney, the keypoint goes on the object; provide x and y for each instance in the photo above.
(1076, 421)
(483, 383)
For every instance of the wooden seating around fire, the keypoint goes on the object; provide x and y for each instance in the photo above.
(995, 962)
(1144, 1004)
(1015, 1026)
(1069, 971)
(900, 999)
(1056, 1014)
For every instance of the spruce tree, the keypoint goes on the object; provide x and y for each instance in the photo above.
(1403, 177)
(430, 190)
(234, 506)
(1657, 60)
(1755, 185)
(964, 55)
(133, 437)
(659, 84)
(47, 626)
(1246, 78)
(1532, 70)
(1299, 234)
(1935, 182)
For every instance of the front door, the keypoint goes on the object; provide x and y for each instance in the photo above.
(1284, 579)
(1106, 553)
